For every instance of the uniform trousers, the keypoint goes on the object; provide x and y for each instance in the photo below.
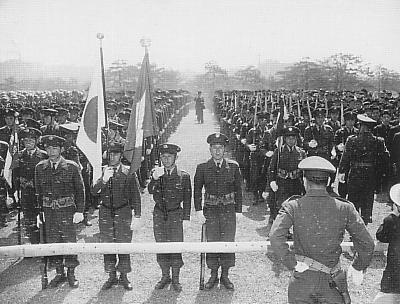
(59, 228)
(220, 227)
(312, 287)
(168, 228)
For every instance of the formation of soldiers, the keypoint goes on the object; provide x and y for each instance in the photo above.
(355, 131)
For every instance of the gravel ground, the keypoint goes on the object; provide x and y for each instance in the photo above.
(257, 279)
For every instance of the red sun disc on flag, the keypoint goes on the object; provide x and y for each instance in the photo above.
(90, 119)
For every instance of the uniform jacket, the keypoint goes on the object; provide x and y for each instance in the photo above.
(65, 181)
(389, 232)
(288, 161)
(319, 222)
(324, 137)
(382, 130)
(395, 149)
(171, 191)
(51, 130)
(227, 180)
(364, 148)
(125, 190)
(5, 133)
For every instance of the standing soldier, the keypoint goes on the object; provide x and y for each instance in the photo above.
(7, 131)
(334, 121)
(4, 148)
(284, 175)
(170, 187)
(59, 186)
(340, 139)
(25, 163)
(319, 222)
(120, 201)
(199, 106)
(362, 157)
(50, 125)
(222, 181)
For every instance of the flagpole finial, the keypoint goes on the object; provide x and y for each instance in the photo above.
(145, 42)
(100, 36)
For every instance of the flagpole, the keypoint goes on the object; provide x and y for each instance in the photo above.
(100, 36)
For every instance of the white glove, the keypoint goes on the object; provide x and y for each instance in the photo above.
(78, 217)
(38, 220)
(313, 143)
(273, 186)
(158, 172)
(237, 136)
(252, 147)
(341, 177)
(301, 267)
(148, 151)
(108, 172)
(340, 147)
(265, 195)
(356, 275)
(269, 153)
(243, 141)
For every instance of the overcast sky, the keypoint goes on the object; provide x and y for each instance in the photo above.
(185, 34)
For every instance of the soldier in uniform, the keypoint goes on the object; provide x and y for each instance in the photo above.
(364, 154)
(7, 131)
(319, 222)
(171, 188)
(24, 164)
(284, 175)
(50, 125)
(120, 202)
(199, 106)
(59, 186)
(334, 121)
(62, 116)
(74, 114)
(3, 184)
(340, 139)
(222, 180)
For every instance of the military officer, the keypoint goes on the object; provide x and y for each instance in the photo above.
(120, 202)
(363, 156)
(222, 180)
(59, 186)
(24, 164)
(7, 131)
(172, 192)
(283, 173)
(50, 125)
(199, 105)
(319, 222)
(340, 139)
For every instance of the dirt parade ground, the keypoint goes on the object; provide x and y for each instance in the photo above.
(257, 277)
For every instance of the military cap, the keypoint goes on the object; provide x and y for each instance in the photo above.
(114, 125)
(386, 112)
(112, 105)
(27, 111)
(316, 168)
(71, 127)
(52, 141)
(62, 111)
(124, 115)
(30, 132)
(395, 194)
(349, 116)
(334, 110)
(217, 138)
(304, 111)
(263, 115)
(74, 108)
(49, 112)
(169, 148)
(365, 119)
(116, 147)
(9, 112)
(31, 123)
(320, 112)
(290, 131)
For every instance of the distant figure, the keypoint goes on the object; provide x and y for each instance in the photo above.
(199, 100)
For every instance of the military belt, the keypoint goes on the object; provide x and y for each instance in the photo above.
(214, 200)
(362, 164)
(159, 207)
(317, 266)
(295, 174)
(114, 208)
(58, 203)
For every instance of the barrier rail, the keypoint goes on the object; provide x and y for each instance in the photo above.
(132, 248)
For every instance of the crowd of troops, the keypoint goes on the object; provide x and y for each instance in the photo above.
(358, 132)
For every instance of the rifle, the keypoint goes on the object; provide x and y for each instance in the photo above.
(202, 257)
(43, 240)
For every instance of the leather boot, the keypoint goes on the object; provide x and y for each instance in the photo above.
(123, 279)
(112, 280)
(165, 279)
(225, 279)
(59, 278)
(213, 280)
(175, 280)
(72, 281)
